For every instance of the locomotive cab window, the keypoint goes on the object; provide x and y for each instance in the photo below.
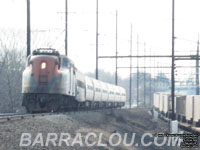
(65, 63)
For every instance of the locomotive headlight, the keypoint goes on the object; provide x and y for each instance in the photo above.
(43, 65)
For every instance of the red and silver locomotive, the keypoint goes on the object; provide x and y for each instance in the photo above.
(51, 82)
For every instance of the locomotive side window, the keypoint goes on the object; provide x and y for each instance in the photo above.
(65, 63)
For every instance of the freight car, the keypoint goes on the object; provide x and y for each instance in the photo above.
(186, 107)
(52, 83)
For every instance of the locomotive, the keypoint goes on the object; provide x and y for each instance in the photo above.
(52, 83)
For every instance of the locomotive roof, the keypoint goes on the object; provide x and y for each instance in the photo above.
(46, 51)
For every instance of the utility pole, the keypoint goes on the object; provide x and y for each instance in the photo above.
(137, 71)
(28, 29)
(97, 40)
(173, 67)
(158, 76)
(197, 68)
(66, 32)
(150, 82)
(161, 77)
(154, 72)
(144, 76)
(130, 84)
(116, 78)
(150, 88)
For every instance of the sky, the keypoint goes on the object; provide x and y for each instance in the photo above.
(150, 19)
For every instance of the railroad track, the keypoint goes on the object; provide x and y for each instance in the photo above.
(6, 114)
(17, 116)
(13, 116)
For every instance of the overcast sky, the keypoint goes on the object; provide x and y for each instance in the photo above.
(151, 20)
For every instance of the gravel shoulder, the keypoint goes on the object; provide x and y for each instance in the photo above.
(136, 121)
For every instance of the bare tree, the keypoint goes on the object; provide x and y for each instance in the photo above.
(12, 64)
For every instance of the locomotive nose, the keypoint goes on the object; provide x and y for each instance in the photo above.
(44, 71)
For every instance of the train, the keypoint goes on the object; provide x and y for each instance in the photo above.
(52, 83)
(186, 107)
